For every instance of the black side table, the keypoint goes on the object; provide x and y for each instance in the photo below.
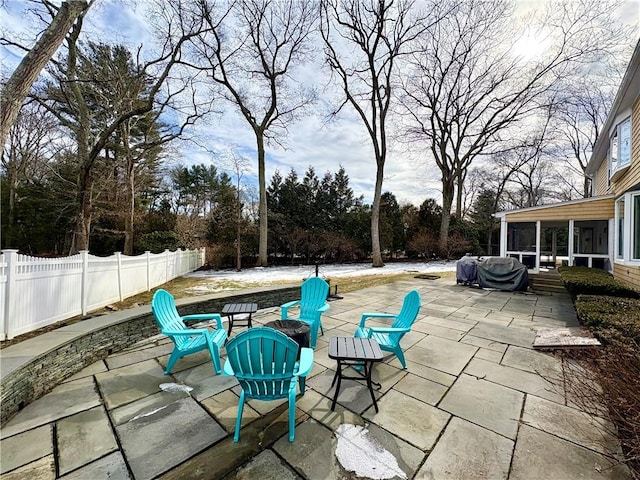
(351, 351)
(231, 309)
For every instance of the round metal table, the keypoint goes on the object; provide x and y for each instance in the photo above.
(294, 329)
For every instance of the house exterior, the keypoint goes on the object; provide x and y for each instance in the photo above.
(602, 231)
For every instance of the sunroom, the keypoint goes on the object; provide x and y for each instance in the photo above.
(577, 232)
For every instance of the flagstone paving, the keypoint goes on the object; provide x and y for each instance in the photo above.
(475, 401)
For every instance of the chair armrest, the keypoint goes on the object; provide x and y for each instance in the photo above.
(228, 369)
(305, 363)
(375, 315)
(324, 308)
(285, 308)
(204, 316)
(388, 330)
(186, 333)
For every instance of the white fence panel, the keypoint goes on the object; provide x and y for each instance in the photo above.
(36, 292)
(102, 282)
(46, 290)
(3, 295)
(133, 276)
(158, 269)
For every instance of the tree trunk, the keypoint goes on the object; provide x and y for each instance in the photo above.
(375, 218)
(262, 211)
(447, 201)
(17, 88)
(129, 220)
(459, 190)
(131, 190)
(83, 219)
(238, 220)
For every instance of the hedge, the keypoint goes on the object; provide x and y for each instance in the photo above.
(602, 313)
(593, 281)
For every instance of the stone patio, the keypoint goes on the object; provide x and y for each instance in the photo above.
(476, 401)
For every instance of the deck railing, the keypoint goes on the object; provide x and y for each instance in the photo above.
(36, 292)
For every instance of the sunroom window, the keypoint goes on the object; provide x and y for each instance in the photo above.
(620, 228)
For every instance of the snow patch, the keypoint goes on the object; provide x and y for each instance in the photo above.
(175, 387)
(359, 453)
(142, 415)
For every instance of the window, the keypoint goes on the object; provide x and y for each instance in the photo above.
(521, 237)
(627, 232)
(624, 147)
(620, 147)
(620, 224)
(635, 234)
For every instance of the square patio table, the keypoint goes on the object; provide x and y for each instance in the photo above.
(356, 352)
(232, 309)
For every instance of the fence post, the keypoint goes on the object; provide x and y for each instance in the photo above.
(84, 288)
(11, 257)
(119, 262)
(147, 255)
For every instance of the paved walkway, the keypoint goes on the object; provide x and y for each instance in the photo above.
(475, 402)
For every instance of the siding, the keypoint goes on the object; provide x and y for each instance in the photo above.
(588, 210)
(627, 275)
(632, 175)
(602, 179)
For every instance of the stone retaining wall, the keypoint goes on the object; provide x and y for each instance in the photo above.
(39, 376)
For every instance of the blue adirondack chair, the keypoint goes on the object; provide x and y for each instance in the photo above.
(187, 340)
(264, 362)
(389, 337)
(312, 303)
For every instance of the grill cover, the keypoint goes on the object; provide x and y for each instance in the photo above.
(503, 273)
(467, 270)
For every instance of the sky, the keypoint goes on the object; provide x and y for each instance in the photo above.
(312, 141)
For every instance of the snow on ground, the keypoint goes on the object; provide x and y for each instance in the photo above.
(298, 273)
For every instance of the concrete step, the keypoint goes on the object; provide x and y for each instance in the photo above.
(549, 281)
(549, 288)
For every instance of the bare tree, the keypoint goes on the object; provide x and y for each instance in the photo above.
(251, 49)
(94, 116)
(581, 114)
(17, 87)
(363, 42)
(468, 87)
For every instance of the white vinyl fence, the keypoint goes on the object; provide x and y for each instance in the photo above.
(36, 292)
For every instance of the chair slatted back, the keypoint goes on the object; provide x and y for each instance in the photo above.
(164, 310)
(263, 361)
(407, 315)
(313, 296)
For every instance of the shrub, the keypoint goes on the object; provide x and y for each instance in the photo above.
(593, 281)
(602, 313)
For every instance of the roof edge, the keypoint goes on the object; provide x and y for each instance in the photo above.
(603, 140)
(552, 205)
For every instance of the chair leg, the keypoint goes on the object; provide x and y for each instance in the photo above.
(292, 415)
(175, 356)
(321, 328)
(303, 382)
(400, 354)
(236, 435)
(313, 335)
(215, 358)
